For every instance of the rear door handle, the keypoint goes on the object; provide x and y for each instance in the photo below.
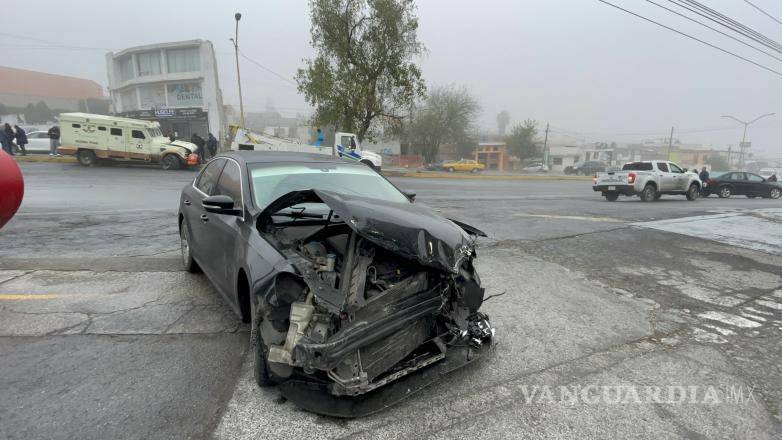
(204, 218)
(187, 202)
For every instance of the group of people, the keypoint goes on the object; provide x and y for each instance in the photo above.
(10, 136)
(210, 143)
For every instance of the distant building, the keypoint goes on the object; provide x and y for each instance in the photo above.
(19, 88)
(174, 83)
(494, 155)
(564, 156)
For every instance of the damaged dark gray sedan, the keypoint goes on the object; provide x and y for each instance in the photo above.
(351, 288)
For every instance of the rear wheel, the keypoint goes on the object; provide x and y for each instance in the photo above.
(171, 162)
(693, 192)
(86, 157)
(649, 193)
(774, 193)
(724, 192)
(612, 196)
(187, 253)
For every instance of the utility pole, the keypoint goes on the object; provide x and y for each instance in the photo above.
(545, 148)
(670, 145)
(235, 40)
(743, 144)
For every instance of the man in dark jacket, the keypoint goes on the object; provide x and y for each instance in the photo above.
(21, 139)
(704, 175)
(211, 145)
(6, 141)
(54, 140)
(199, 142)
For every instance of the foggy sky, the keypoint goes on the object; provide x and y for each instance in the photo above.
(592, 72)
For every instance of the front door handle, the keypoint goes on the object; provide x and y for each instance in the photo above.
(204, 218)
(187, 202)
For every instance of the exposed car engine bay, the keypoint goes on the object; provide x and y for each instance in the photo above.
(355, 312)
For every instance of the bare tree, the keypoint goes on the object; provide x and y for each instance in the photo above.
(448, 115)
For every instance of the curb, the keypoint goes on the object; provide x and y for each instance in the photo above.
(431, 175)
(45, 159)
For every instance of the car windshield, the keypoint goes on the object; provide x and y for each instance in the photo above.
(270, 181)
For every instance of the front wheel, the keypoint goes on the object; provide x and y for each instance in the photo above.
(649, 193)
(187, 252)
(474, 170)
(693, 192)
(724, 192)
(774, 193)
(86, 158)
(612, 196)
(171, 162)
(450, 170)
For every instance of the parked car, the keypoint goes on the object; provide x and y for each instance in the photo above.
(463, 165)
(38, 142)
(536, 167)
(348, 284)
(649, 180)
(434, 166)
(744, 184)
(589, 167)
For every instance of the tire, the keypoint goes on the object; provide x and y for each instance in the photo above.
(86, 158)
(612, 196)
(693, 193)
(474, 170)
(657, 196)
(263, 376)
(774, 193)
(649, 193)
(171, 162)
(187, 252)
(724, 192)
(451, 170)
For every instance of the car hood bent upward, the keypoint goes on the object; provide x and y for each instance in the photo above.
(411, 231)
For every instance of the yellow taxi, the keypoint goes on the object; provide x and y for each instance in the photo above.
(463, 165)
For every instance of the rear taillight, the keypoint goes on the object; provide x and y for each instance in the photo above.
(631, 178)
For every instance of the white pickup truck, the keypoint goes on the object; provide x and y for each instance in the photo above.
(648, 180)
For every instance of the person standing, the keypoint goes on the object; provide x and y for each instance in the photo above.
(21, 139)
(211, 145)
(7, 141)
(54, 140)
(704, 175)
(199, 142)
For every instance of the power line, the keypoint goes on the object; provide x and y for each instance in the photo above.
(52, 43)
(267, 69)
(693, 38)
(715, 30)
(762, 11)
(733, 23)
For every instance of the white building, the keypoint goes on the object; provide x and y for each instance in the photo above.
(173, 83)
(561, 157)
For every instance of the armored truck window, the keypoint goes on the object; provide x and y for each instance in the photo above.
(137, 134)
(76, 125)
(102, 128)
(116, 132)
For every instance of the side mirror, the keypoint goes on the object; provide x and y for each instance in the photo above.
(410, 195)
(220, 204)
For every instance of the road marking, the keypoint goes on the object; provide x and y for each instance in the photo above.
(727, 318)
(26, 296)
(570, 217)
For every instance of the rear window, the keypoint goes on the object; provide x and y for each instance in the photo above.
(638, 166)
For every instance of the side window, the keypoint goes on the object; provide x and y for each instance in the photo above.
(76, 125)
(230, 183)
(116, 132)
(754, 178)
(137, 134)
(662, 166)
(102, 128)
(344, 141)
(208, 179)
(739, 176)
(675, 168)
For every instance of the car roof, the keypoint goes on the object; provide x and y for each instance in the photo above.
(281, 157)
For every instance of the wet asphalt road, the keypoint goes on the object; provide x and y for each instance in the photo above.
(102, 335)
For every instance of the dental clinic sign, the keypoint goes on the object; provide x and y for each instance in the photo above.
(185, 95)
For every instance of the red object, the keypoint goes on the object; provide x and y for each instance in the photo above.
(631, 178)
(192, 159)
(11, 187)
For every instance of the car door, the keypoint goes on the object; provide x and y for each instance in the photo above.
(756, 185)
(223, 231)
(116, 143)
(740, 184)
(667, 182)
(680, 178)
(195, 214)
(138, 144)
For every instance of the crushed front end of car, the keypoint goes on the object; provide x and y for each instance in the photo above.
(371, 292)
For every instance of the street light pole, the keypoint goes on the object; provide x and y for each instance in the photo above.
(235, 40)
(746, 124)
